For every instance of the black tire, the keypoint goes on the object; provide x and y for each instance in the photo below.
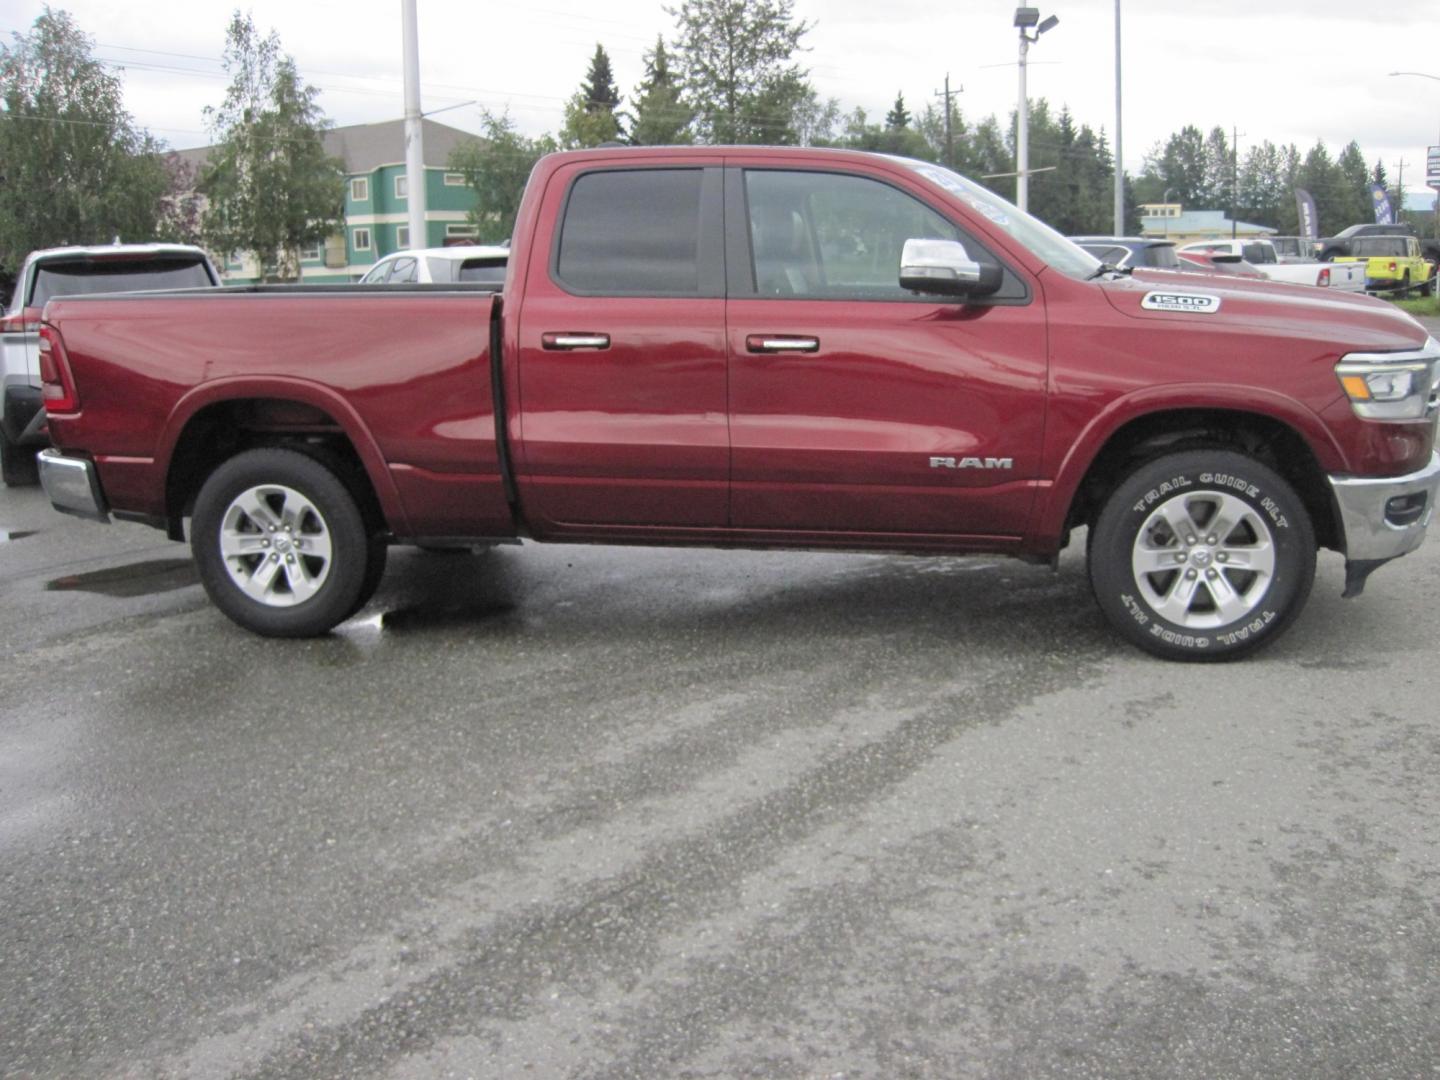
(309, 589)
(378, 556)
(18, 467)
(1181, 614)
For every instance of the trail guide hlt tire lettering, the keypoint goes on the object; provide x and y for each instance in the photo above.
(1202, 555)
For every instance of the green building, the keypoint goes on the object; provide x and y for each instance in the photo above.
(377, 212)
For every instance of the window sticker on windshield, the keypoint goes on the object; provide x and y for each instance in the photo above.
(1195, 303)
(949, 182)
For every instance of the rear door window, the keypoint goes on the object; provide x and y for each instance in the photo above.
(632, 232)
(86, 276)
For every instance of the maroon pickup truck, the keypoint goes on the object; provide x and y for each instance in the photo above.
(751, 347)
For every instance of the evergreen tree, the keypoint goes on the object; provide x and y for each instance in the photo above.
(1353, 186)
(496, 168)
(898, 117)
(736, 59)
(1320, 176)
(1219, 189)
(73, 166)
(591, 115)
(1181, 169)
(661, 117)
(271, 187)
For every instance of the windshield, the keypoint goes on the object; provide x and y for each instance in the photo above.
(117, 275)
(1032, 233)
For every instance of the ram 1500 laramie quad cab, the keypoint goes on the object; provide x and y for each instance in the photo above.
(763, 347)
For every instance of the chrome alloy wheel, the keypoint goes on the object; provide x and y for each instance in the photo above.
(276, 545)
(1203, 559)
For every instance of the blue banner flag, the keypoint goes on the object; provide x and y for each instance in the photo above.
(1384, 214)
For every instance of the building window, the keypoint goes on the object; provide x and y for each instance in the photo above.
(461, 230)
(402, 237)
(360, 239)
(360, 189)
(310, 254)
(402, 187)
(454, 179)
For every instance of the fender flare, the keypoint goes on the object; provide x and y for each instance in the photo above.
(1054, 506)
(287, 388)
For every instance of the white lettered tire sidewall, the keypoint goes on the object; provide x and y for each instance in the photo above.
(335, 507)
(1194, 478)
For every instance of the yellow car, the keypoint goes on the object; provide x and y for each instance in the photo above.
(1392, 263)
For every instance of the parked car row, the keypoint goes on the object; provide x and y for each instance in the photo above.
(1394, 263)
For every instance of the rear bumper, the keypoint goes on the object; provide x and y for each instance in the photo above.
(72, 485)
(1384, 518)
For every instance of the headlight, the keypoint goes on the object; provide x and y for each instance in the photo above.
(1392, 386)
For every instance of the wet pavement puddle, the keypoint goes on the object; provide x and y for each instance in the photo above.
(134, 579)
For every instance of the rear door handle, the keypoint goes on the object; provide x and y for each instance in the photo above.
(563, 341)
(781, 343)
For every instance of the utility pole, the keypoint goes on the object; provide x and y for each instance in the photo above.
(947, 94)
(414, 131)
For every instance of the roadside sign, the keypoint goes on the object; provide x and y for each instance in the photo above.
(1432, 167)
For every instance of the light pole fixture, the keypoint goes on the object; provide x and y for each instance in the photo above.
(1026, 18)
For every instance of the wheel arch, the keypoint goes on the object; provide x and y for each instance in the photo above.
(1290, 440)
(229, 416)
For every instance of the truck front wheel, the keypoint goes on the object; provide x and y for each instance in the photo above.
(1202, 555)
(281, 545)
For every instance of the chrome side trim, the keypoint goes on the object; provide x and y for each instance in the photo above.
(1368, 536)
(72, 485)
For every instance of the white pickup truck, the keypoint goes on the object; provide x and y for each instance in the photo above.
(71, 271)
(1262, 255)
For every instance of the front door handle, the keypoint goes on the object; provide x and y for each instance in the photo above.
(574, 341)
(781, 343)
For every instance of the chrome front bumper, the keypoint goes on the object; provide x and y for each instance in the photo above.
(1386, 517)
(72, 485)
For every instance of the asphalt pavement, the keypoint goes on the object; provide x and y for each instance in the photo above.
(601, 812)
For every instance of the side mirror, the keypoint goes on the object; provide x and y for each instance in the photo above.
(944, 268)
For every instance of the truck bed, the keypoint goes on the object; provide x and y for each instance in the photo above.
(403, 371)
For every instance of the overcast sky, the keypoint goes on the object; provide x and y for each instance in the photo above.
(1284, 70)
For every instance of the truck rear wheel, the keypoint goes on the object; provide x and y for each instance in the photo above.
(281, 545)
(1202, 555)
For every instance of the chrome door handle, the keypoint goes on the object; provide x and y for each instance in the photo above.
(774, 343)
(575, 341)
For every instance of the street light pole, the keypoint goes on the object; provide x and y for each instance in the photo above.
(1026, 17)
(1022, 134)
(414, 144)
(1119, 152)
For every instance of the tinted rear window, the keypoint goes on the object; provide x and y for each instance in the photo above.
(632, 233)
(1381, 246)
(486, 271)
(104, 276)
(1161, 257)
